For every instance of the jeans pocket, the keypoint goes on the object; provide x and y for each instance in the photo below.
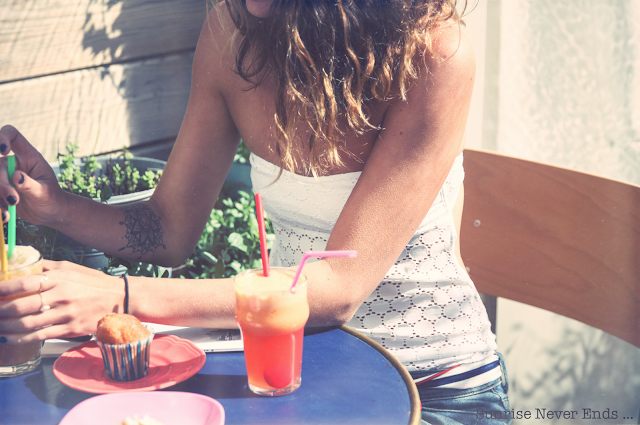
(500, 393)
(486, 404)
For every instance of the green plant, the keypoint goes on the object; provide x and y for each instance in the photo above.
(242, 155)
(44, 238)
(86, 177)
(135, 268)
(230, 241)
(228, 245)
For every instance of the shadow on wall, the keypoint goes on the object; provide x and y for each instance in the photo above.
(562, 365)
(147, 48)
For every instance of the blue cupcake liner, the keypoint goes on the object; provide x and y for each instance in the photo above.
(126, 362)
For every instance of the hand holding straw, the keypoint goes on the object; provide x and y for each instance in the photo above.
(11, 226)
(319, 254)
(263, 236)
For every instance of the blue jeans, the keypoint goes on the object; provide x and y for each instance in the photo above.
(486, 404)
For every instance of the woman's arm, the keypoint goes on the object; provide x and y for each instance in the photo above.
(403, 175)
(181, 204)
(165, 229)
(78, 297)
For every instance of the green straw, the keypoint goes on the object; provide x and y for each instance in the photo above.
(11, 229)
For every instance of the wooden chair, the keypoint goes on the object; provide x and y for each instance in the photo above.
(557, 239)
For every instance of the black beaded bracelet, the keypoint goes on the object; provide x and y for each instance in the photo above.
(126, 294)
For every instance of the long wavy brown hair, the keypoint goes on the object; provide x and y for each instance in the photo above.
(329, 58)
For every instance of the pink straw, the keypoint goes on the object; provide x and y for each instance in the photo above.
(319, 254)
(263, 236)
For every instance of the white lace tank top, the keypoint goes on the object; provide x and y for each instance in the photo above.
(426, 311)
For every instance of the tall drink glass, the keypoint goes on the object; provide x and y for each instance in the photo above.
(18, 359)
(272, 319)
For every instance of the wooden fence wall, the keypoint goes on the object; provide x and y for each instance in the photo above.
(102, 73)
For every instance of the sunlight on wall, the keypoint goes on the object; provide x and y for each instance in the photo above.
(561, 85)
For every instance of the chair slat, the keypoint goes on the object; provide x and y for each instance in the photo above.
(557, 239)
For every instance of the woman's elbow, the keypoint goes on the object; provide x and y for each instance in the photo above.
(339, 314)
(348, 310)
(173, 255)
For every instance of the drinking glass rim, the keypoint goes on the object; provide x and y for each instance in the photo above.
(302, 279)
(24, 266)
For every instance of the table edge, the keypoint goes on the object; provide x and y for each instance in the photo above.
(414, 398)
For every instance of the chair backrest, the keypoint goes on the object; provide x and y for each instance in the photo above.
(557, 239)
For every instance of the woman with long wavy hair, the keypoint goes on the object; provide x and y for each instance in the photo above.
(355, 114)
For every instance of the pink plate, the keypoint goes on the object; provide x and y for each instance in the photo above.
(166, 407)
(172, 360)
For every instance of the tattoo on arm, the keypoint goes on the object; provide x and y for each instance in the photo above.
(144, 231)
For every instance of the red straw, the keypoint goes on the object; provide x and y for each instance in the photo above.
(263, 236)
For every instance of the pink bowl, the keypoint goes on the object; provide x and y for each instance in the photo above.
(166, 407)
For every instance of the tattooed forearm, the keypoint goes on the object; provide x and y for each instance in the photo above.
(144, 231)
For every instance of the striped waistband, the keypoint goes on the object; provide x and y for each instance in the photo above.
(463, 376)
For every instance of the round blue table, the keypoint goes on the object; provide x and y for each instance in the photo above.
(346, 379)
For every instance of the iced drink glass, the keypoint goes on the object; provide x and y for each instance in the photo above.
(18, 359)
(272, 319)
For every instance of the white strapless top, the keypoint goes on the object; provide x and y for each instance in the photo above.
(426, 311)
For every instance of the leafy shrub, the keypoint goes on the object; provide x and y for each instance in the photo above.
(228, 244)
(242, 155)
(87, 178)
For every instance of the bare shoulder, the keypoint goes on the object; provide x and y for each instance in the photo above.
(213, 57)
(219, 26)
(434, 114)
(452, 53)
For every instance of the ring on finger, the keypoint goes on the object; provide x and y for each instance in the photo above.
(44, 306)
(42, 279)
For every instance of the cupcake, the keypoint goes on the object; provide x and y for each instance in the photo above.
(125, 344)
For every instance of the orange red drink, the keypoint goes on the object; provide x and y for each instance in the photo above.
(272, 320)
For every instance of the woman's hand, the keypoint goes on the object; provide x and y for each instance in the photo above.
(76, 297)
(37, 194)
